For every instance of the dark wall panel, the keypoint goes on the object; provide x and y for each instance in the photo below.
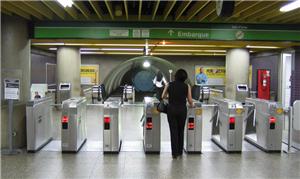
(38, 68)
(266, 61)
(295, 79)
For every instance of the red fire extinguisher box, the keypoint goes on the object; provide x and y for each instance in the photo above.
(263, 83)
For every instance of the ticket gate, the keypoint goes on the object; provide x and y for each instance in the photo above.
(227, 124)
(73, 133)
(193, 129)
(151, 126)
(38, 123)
(112, 140)
(263, 124)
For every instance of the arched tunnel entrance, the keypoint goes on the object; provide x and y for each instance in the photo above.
(132, 72)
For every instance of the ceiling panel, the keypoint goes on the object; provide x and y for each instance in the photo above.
(259, 11)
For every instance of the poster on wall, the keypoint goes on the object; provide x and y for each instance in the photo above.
(89, 74)
(209, 75)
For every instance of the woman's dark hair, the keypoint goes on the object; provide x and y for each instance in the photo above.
(181, 75)
(159, 76)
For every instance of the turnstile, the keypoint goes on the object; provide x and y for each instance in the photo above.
(151, 126)
(73, 133)
(227, 124)
(263, 124)
(38, 123)
(193, 129)
(112, 140)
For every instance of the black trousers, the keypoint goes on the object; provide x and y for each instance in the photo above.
(176, 118)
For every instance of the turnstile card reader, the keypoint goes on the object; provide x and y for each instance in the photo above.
(112, 140)
(73, 123)
(64, 92)
(242, 92)
(263, 126)
(227, 124)
(193, 130)
(151, 126)
(38, 123)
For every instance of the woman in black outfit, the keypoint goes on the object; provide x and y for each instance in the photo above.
(178, 92)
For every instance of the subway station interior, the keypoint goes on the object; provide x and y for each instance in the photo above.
(80, 87)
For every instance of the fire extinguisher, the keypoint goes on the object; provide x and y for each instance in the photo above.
(264, 84)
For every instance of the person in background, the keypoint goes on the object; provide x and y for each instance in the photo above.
(201, 78)
(159, 81)
(36, 95)
(178, 93)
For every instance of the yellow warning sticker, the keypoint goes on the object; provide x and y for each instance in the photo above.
(279, 110)
(198, 112)
(239, 111)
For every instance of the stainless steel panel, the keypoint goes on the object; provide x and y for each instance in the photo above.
(38, 123)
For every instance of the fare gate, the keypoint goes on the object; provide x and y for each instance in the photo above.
(151, 126)
(73, 120)
(227, 124)
(263, 124)
(112, 137)
(193, 129)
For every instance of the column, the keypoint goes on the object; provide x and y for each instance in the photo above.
(237, 70)
(68, 68)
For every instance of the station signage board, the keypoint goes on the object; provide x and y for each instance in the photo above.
(68, 32)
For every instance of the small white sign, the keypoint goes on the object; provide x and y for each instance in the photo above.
(145, 33)
(12, 89)
(118, 33)
(136, 33)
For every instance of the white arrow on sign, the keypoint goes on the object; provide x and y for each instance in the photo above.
(170, 32)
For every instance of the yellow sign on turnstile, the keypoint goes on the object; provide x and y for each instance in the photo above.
(198, 112)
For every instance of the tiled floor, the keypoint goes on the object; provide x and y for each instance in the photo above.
(251, 164)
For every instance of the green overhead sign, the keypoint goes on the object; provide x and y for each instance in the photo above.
(164, 33)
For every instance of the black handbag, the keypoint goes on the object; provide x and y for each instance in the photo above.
(162, 106)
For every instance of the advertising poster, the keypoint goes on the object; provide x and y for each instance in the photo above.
(89, 74)
(209, 75)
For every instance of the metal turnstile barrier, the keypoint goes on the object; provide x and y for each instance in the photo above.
(38, 123)
(73, 133)
(151, 126)
(263, 124)
(193, 129)
(227, 124)
(112, 140)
